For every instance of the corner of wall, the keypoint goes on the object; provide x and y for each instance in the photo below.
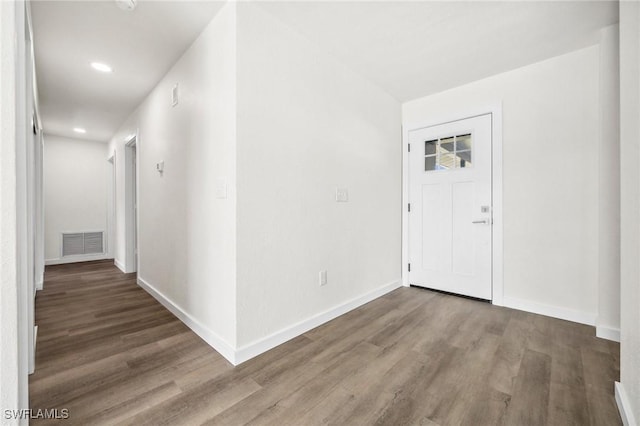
(119, 265)
(630, 204)
(608, 333)
(216, 342)
(608, 323)
(198, 187)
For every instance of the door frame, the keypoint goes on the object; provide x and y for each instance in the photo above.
(130, 193)
(111, 206)
(495, 109)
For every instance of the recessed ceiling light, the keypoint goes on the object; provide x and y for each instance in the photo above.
(126, 4)
(79, 130)
(99, 66)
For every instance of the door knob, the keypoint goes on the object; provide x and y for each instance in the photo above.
(484, 221)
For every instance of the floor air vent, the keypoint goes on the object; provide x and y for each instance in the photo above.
(78, 243)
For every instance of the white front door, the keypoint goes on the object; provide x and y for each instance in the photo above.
(450, 216)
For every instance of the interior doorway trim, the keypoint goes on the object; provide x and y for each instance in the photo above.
(130, 195)
(495, 109)
(111, 206)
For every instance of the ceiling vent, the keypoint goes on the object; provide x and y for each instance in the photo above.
(79, 243)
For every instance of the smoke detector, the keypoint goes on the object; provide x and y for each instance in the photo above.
(126, 4)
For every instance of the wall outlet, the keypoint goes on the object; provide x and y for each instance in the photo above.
(323, 277)
(342, 195)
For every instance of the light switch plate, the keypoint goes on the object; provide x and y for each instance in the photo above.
(174, 95)
(323, 277)
(342, 195)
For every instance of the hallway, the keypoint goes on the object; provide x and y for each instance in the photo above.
(110, 354)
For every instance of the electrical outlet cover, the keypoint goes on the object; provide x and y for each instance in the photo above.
(342, 195)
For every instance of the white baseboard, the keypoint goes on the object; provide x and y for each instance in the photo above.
(40, 283)
(215, 341)
(550, 311)
(608, 333)
(75, 259)
(119, 265)
(254, 349)
(624, 406)
(258, 347)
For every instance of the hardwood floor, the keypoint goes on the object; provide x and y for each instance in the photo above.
(110, 354)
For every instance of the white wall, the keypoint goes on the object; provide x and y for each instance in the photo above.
(18, 209)
(26, 173)
(608, 322)
(300, 123)
(550, 178)
(75, 190)
(13, 372)
(306, 124)
(186, 235)
(629, 388)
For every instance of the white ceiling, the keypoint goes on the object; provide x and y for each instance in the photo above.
(140, 45)
(410, 49)
(413, 49)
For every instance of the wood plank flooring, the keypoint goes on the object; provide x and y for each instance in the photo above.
(110, 354)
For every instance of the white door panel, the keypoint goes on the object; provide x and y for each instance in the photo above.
(450, 196)
(461, 228)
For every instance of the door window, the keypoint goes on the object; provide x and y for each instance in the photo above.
(448, 153)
